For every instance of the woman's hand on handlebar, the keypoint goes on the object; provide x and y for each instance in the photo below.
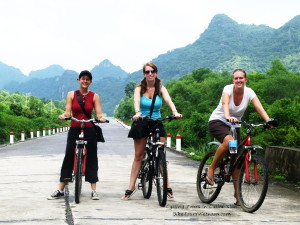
(177, 115)
(62, 117)
(137, 116)
(232, 119)
(103, 120)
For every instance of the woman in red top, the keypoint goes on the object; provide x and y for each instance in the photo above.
(91, 101)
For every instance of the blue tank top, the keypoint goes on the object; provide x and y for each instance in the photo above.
(145, 106)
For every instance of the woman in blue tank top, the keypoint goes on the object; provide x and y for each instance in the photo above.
(143, 95)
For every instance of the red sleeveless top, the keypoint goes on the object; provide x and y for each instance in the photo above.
(77, 111)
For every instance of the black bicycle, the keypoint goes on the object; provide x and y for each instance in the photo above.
(154, 165)
(252, 180)
(80, 153)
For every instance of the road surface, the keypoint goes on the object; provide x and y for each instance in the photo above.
(30, 170)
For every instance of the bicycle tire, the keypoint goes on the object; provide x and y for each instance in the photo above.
(161, 178)
(208, 193)
(146, 179)
(252, 193)
(78, 175)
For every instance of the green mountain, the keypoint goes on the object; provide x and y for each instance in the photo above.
(57, 84)
(107, 69)
(224, 46)
(50, 71)
(9, 73)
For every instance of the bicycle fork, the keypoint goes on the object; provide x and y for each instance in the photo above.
(84, 154)
(247, 172)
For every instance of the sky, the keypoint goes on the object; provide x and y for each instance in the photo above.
(79, 34)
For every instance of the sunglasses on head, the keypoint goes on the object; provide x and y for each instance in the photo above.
(149, 71)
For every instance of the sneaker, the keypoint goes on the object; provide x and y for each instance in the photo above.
(56, 194)
(94, 195)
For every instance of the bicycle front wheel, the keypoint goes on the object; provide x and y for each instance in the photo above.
(208, 193)
(146, 179)
(253, 184)
(161, 178)
(78, 175)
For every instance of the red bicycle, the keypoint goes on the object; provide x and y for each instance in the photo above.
(253, 177)
(80, 153)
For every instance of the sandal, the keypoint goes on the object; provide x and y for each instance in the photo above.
(207, 181)
(128, 194)
(170, 193)
(208, 177)
(237, 203)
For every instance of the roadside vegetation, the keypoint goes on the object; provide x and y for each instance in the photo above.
(197, 94)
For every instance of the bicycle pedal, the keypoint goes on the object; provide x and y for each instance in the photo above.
(140, 186)
(140, 175)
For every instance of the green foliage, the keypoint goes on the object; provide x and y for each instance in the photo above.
(125, 110)
(22, 113)
(129, 89)
(197, 94)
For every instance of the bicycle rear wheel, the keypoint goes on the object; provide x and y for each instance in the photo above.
(78, 174)
(146, 178)
(252, 191)
(161, 178)
(208, 193)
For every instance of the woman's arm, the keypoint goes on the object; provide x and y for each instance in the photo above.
(259, 108)
(67, 112)
(169, 102)
(225, 104)
(97, 106)
(137, 102)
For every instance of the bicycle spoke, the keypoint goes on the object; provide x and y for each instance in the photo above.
(207, 193)
(252, 192)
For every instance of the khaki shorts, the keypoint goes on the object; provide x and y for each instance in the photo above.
(220, 130)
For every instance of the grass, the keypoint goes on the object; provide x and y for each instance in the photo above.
(277, 175)
(197, 153)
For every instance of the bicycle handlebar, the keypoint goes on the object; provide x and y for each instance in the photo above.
(171, 117)
(86, 121)
(270, 124)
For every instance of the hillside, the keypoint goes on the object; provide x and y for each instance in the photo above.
(224, 46)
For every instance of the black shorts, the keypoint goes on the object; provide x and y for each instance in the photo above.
(220, 130)
(142, 128)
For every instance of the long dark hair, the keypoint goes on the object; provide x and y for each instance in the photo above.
(143, 83)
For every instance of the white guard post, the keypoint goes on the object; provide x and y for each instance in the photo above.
(22, 135)
(11, 137)
(169, 140)
(178, 142)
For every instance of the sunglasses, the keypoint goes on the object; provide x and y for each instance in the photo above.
(149, 71)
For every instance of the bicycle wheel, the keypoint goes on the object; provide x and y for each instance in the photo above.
(208, 193)
(252, 191)
(78, 174)
(146, 179)
(161, 178)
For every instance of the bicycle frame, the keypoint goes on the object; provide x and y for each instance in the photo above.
(246, 150)
(80, 144)
(154, 168)
(252, 175)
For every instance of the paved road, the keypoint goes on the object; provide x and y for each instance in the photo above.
(29, 172)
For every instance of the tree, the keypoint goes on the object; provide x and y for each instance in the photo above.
(129, 89)
(277, 68)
